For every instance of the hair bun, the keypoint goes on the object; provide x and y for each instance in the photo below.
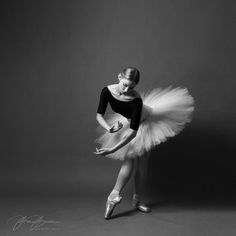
(131, 73)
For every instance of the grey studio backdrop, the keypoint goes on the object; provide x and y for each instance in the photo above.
(58, 55)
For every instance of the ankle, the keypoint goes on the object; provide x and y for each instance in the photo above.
(114, 193)
(136, 197)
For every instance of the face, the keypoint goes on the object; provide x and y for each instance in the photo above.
(125, 85)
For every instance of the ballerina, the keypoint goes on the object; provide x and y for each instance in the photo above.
(140, 122)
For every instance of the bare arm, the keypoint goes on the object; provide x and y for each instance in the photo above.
(104, 151)
(132, 133)
(102, 122)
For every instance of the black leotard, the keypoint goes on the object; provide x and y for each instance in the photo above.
(130, 109)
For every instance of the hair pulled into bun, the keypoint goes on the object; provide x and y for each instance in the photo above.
(131, 73)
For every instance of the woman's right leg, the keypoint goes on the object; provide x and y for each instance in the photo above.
(123, 177)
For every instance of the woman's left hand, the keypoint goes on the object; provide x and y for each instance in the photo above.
(103, 151)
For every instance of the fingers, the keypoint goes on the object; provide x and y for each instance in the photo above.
(102, 151)
(120, 124)
(113, 129)
(99, 151)
(116, 127)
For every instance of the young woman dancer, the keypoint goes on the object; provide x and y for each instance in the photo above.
(140, 122)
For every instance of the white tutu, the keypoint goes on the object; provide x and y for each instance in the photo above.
(164, 114)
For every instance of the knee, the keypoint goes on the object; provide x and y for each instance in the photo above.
(128, 163)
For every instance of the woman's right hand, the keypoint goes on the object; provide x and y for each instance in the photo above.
(116, 127)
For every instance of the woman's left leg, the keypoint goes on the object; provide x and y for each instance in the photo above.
(140, 174)
(137, 177)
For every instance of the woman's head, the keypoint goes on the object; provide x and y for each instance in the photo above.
(128, 79)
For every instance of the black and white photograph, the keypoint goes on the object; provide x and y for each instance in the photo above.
(118, 118)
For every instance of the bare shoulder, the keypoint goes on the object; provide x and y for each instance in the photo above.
(112, 87)
(133, 94)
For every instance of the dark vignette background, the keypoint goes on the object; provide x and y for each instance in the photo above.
(56, 56)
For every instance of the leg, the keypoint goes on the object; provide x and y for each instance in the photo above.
(123, 177)
(137, 178)
(139, 182)
(140, 174)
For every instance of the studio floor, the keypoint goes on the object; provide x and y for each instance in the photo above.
(81, 214)
(70, 200)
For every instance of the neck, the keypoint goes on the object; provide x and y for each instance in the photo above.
(118, 90)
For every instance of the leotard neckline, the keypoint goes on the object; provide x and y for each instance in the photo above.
(119, 99)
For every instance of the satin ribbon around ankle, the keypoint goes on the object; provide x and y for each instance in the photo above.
(115, 199)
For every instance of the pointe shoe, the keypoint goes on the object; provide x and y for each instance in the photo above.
(140, 206)
(110, 206)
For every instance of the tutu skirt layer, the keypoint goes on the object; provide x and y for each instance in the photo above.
(165, 113)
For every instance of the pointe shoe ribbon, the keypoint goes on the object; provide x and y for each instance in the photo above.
(116, 199)
(110, 206)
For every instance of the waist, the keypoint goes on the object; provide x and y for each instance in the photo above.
(146, 112)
